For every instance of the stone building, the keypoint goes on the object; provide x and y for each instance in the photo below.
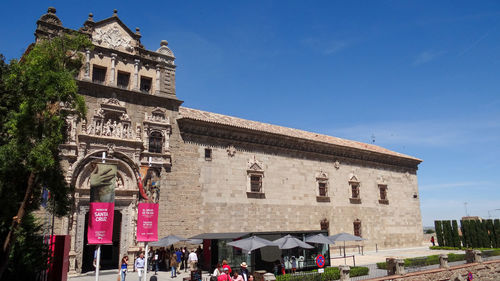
(211, 172)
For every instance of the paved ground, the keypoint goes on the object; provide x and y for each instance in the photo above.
(373, 257)
(111, 275)
(369, 258)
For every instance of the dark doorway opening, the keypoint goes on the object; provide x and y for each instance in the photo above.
(110, 254)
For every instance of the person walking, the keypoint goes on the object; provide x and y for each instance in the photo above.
(193, 260)
(225, 265)
(173, 266)
(433, 241)
(178, 255)
(123, 268)
(139, 265)
(244, 271)
(185, 257)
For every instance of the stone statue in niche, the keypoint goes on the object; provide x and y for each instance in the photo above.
(151, 184)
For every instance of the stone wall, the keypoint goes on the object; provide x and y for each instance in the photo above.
(487, 271)
(211, 195)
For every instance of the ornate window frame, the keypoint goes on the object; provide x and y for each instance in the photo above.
(382, 188)
(357, 227)
(156, 122)
(255, 169)
(354, 185)
(322, 179)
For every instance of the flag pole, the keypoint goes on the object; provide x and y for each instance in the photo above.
(98, 262)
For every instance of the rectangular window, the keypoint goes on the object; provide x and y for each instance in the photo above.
(355, 191)
(322, 189)
(98, 74)
(256, 183)
(208, 154)
(123, 80)
(357, 228)
(155, 142)
(383, 192)
(145, 84)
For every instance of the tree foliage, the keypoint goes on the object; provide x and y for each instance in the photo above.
(37, 93)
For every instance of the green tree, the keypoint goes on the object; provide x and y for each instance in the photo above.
(439, 232)
(496, 228)
(465, 235)
(37, 94)
(454, 232)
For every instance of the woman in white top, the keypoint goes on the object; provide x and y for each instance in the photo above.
(217, 271)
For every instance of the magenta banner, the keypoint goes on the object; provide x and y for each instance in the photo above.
(147, 222)
(100, 229)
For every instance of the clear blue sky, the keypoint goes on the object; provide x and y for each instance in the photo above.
(422, 77)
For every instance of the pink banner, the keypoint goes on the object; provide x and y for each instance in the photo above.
(100, 229)
(147, 222)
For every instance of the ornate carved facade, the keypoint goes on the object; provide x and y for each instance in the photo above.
(200, 166)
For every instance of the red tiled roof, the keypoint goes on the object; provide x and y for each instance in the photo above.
(205, 116)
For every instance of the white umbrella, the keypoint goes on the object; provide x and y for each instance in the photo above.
(319, 239)
(345, 237)
(251, 243)
(167, 241)
(289, 242)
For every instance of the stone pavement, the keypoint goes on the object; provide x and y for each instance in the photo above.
(111, 275)
(369, 258)
(373, 257)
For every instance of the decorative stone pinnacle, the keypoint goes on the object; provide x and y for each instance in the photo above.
(163, 43)
(51, 10)
(115, 12)
(137, 31)
(91, 17)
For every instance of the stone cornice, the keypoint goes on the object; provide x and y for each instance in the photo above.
(201, 128)
(89, 88)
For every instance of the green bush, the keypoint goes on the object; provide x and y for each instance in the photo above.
(359, 271)
(429, 260)
(496, 228)
(429, 231)
(439, 232)
(456, 238)
(331, 273)
(382, 265)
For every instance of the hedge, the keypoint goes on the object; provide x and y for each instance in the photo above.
(430, 260)
(331, 273)
(439, 232)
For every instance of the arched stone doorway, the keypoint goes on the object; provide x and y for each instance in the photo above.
(125, 218)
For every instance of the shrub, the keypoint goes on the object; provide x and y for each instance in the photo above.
(358, 271)
(496, 228)
(439, 232)
(456, 238)
(382, 265)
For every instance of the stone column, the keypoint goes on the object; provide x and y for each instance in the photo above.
(158, 79)
(473, 256)
(86, 75)
(269, 277)
(136, 74)
(443, 261)
(344, 272)
(400, 267)
(112, 74)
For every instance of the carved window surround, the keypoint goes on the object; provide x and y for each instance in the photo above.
(383, 194)
(355, 192)
(255, 179)
(158, 122)
(322, 194)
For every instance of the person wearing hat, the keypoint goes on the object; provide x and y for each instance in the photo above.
(244, 271)
(225, 275)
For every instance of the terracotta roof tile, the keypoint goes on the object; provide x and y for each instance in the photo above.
(211, 117)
